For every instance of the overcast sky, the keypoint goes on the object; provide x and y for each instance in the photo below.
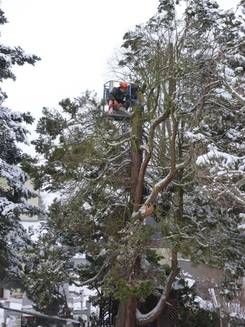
(75, 40)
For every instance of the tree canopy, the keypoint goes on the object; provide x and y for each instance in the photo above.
(13, 191)
(181, 153)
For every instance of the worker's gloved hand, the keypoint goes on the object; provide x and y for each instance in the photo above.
(110, 104)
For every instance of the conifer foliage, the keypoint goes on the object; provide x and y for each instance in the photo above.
(189, 62)
(85, 161)
(13, 192)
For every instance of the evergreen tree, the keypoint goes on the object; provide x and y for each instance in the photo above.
(194, 101)
(85, 162)
(13, 192)
(184, 157)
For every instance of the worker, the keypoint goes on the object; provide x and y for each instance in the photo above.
(119, 98)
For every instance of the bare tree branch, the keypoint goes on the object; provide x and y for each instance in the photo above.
(93, 279)
(144, 319)
(234, 93)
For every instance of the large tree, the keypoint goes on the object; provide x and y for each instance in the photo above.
(13, 191)
(192, 69)
(85, 161)
(181, 154)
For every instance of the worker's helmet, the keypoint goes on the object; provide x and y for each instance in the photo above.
(123, 85)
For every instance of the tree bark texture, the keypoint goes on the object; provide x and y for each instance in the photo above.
(136, 155)
(127, 311)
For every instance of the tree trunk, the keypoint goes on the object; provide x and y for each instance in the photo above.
(130, 312)
(136, 154)
(127, 311)
(120, 319)
(126, 316)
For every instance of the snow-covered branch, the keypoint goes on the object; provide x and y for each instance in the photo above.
(240, 98)
(116, 144)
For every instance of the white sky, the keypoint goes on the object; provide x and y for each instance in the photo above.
(75, 40)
